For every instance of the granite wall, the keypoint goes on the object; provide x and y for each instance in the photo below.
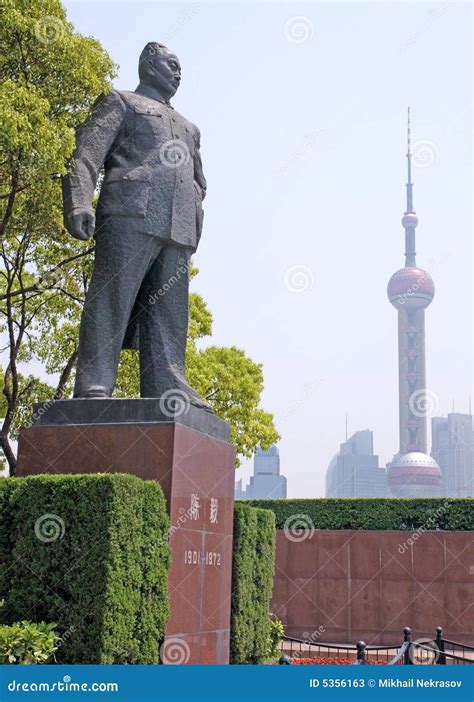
(344, 586)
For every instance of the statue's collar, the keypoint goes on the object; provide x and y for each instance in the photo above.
(150, 92)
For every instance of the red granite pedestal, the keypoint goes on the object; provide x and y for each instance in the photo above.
(190, 456)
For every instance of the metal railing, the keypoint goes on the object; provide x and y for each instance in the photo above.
(455, 651)
(438, 651)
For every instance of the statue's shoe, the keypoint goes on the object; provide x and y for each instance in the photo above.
(181, 397)
(202, 404)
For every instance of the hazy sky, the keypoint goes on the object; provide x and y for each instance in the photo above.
(302, 112)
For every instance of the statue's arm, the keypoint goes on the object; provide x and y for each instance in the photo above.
(198, 172)
(94, 139)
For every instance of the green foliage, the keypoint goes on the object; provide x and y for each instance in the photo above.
(263, 572)
(450, 514)
(49, 78)
(6, 489)
(91, 553)
(25, 642)
(200, 318)
(276, 634)
(31, 389)
(233, 383)
(242, 627)
(252, 582)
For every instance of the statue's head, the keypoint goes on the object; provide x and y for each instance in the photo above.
(159, 68)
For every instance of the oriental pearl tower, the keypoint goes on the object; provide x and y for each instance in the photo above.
(412, 472)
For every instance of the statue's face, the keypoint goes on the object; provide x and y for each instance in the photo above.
(165, 73)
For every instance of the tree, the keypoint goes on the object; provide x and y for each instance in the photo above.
(50, 76)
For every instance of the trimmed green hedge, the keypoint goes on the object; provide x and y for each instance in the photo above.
(252, 582)
(6, 489)
(91, 553)
(450, 514)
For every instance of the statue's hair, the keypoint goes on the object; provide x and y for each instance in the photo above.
(150, 50)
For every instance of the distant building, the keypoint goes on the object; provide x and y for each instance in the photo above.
(453, 448)
(354, 471)
(266, 482)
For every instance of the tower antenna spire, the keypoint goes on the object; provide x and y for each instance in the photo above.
(409, 181)
(409, 220)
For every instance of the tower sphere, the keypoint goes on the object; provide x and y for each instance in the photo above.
(410, 288)
(409, 220)
(412, 472)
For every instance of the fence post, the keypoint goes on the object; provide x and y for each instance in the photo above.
(441, 658)
(407, 638)
(361, 652)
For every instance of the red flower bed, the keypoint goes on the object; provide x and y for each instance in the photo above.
(319, 660)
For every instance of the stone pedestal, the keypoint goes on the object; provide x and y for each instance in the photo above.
(189, 454)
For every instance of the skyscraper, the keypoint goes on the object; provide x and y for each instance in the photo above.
(453, 449)
(354, 471)
(266, 482)
(412, 473)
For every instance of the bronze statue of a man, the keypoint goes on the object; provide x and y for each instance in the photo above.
(147, 224)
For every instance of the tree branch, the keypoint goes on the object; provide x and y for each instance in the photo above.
(65, 375)
(15, 191)
(10, 203)
(38, 287)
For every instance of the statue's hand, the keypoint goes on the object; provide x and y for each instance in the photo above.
(80, 224)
